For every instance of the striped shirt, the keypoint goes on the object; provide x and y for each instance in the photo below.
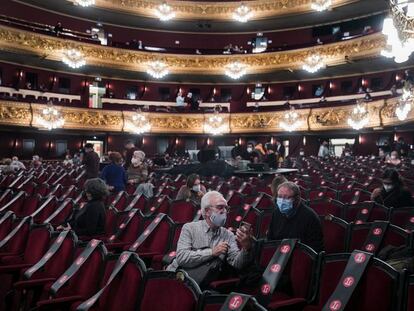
(196, 243)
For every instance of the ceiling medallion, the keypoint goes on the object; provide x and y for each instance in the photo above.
(399, 29)
(139, 124)
(85, 3)
(404, 104)
(216, 125)
(242, 14)
(290, 120)
(321, 5)
(164, 12)
(359, 117)
(157, 69)
(235, 70)
(313, 63)
(73, 58)
(50, 118)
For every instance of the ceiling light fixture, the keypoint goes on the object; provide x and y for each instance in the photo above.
(399, 29)
(313, 63)
(50, 118)
(291, 121)
(359, 117)
(404, 104)
(216, 124)
(235, 70)
(164, 12)
(242, 14)
(73, 58)
(85, 3)
(157, 69)
(139, 123)
(321, 5)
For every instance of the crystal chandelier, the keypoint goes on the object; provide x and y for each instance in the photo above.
(291, 120)
(50, 118)
(157, 69)
(73, 58)
(164, 12)
(242, 14)
(359, 117)
(85, 3)
(313, 63)
(216, 125)
(139, 123)
(235, 70)
(404, 104)
(321, 5)
(399, 29)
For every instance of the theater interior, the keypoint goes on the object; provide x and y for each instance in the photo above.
(119, 117)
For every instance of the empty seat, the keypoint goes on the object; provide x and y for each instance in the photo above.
(335, 234)
(182, 211)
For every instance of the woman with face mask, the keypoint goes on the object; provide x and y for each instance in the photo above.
(138, 170)
(192, 190)
(392, 193)
(394, 158)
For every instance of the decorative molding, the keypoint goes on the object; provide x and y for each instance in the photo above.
(381, 113)
(219, 10)
(51, 48)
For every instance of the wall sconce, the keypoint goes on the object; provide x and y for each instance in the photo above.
(304, 140)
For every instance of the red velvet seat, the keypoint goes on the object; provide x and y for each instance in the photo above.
(377, 290)
(82, 285)
(124, 290)
(136, 201)
(17, 238)
(61, 213)
(182, 211)
(159, 204)
(46, 209)
(125, 234)
(15, 203)
(210, 302)
(157, 260)
(351, 211)
(41, 189)
(402, 216)
(246, 189)
(166, 290)
(327, 206)
(264, 201)
(335, 234)
(120, 201)
(6, 223)
(234, 199)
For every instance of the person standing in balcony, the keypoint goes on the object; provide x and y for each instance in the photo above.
(114, 174)
(91, 162)
(323, 150)
(180, 101)
(129, 152)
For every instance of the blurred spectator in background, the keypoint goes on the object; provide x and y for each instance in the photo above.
(68, 160)
(90, 161)
(401, 147)
(138, 170)
(58, 28)
(394, 158)
(114, 174)
(18, 164)
(192, 190)
(7, 168)
(129, 152)
(323, 150)
(347, 150)
(276, 182)
(36, 162)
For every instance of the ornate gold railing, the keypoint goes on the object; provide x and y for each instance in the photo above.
(381, 113)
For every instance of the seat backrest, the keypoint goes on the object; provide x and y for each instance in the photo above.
(234, 199)
(6, 224)
(401, 216)
(182, 211)
(17, 242)
(29, 206)
(159, 240)
(158, 288)
(62, 212)
(335, 234)
(37, 243)
(134, 227)
(265, 221)
(264, 201)
(46, 209)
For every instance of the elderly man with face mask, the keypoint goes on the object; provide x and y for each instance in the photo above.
(204, 246)
(293, 220)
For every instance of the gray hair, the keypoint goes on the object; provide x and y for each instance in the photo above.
(292, 186)
(97, 188)
(206, 200)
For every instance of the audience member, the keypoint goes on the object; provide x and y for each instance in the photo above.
(386, 148)
(393, 192)
(58, 28)
(129, 152)
(180, 100)
(393, 158)
(68, 160)
(191, 101)
(204, 246)
(7, 167)
(293, 220)
(251, 154)
(76, 159)
(138, 170)
(280, 150)
(114, 174)
(36, 161)
(276, 182)
(237, 151)
(347, 151)
(18, 164)
(192, 190)
(91, 162)
(271, 157)
(90, 220)
(401, 147)
(323, 150)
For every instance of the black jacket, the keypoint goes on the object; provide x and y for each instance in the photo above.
(304, 225)
(91, 161)
(90, 220)
(395, 198)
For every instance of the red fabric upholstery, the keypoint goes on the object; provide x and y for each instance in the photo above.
(46, 210)
(29, 206)
(6, 227)
(235, 200)
(266, 219)
(130, 232)
(17, 243)
(334, 234)
(401, 216)
(64, 213)
(182, 211)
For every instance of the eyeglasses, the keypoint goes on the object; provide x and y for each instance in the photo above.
(221, 207)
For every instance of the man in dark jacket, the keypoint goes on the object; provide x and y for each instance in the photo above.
(293, 220)
(91, 162)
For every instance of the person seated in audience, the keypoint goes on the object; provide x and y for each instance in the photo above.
(206, 243)
(7, 167)
(393, 193)
(192, 102)
(90, 220)
(271, 156)
(138, 170)
(76, 159)
(237, 151)
(90, 161)
(347, 151)
(114, 174)
(393, 158)
(36, 161)
(129, 152)
(276, 182)
(251, 154)
(386, 148)
(192, 190)
(402, 147)
(68, 160)
(323, 150)
(180, 101)
(293, 220)
(18, 164)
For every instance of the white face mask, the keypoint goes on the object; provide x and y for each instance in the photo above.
(249, 149)
(388, 188)
(347, 154)
(197, 188)
(219, 220)
(393, 157)
(301, 153)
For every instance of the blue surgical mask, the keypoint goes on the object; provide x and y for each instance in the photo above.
(285, 206)
(218, 219)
